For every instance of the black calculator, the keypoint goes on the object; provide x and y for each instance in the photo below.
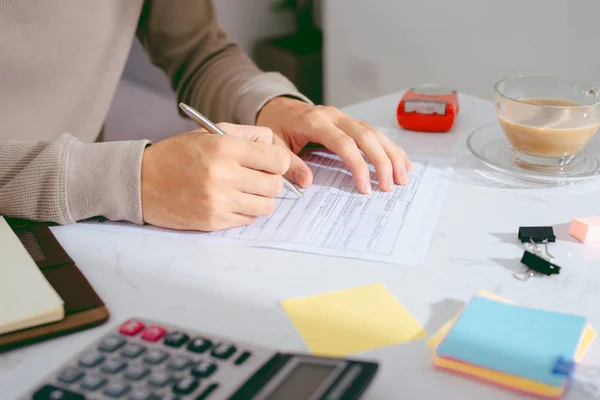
(146, 360)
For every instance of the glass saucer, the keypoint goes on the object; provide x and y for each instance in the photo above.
(490, 145)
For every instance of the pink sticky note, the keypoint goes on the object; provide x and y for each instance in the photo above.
(586, 229)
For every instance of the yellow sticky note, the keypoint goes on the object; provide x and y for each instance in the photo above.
(349, 321)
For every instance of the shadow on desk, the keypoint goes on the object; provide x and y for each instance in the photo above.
(470, 170)
(442, 312)
(561, 231)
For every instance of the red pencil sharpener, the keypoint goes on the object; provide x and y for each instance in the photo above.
(428, 108)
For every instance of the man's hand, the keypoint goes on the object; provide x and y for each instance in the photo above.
(200, 181)
(296, 123)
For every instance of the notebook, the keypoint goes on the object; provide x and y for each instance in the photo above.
(496, 342)
(26, 296)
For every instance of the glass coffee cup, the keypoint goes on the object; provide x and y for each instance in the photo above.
(547, 120)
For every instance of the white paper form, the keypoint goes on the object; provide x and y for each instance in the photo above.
(335, 219)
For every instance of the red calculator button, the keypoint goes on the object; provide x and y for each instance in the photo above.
(131, 327)
(153, 333)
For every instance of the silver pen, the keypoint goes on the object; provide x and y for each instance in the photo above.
(214, 129)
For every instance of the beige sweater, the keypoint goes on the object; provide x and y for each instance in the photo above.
(60, 63)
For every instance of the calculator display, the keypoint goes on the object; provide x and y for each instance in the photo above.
(304, 380)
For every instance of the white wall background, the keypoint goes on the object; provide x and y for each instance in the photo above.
(376, 47)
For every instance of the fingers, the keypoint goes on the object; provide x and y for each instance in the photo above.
(253, 205)
(252, 133)
(369, 143)
(261, 156)
(396, 153)
(400, 162)
(259, 183)
(252, 146)
(299, 173)
(231, 220)
(345, 147)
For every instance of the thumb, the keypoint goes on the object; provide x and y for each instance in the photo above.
(299, 173)
(253, 133)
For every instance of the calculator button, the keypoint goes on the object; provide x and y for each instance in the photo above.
(199, 345)
(131, 327)
(51, 392)
(111, 343)
(203, 369)
(223, 351)
(242, 358)
(207, 392)
(90, 360)
(93, 382)
(178, 363)
(176, 339)
(70, 375)
(153, 333)
(141, 394)
(132, 350)
(137, 372)
(186, 385)
(159, 379)
(116, 389)
(114, 366)
(155, 356)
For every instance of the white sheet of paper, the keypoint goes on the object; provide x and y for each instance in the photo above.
(335, 219)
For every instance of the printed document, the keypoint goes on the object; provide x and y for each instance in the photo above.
(334, 218)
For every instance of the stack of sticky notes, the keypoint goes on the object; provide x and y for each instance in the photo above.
(512, 346)
(586, 229)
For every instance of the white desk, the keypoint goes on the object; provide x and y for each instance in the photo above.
(235, 291)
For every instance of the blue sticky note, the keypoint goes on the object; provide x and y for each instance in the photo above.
(519, 341)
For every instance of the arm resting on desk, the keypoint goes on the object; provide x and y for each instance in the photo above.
(206, 69)
(66, 180)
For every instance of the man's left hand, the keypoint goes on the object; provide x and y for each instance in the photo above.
(296, 123)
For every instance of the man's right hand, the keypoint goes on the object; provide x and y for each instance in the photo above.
(206, 182)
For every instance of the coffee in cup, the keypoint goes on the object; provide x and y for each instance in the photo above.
(547, 120)
(538, 132)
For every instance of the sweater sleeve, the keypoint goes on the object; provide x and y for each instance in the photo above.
(65, 181)
(206, 69)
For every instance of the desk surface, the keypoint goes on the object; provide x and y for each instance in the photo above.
(234, 291)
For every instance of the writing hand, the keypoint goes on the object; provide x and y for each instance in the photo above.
(201, 181)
